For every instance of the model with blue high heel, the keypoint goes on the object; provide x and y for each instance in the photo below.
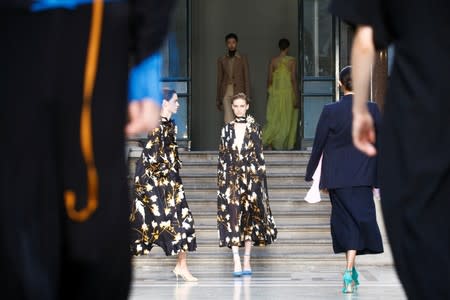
(348, 282)
(238, 271)
(237, 262)
(350, 278)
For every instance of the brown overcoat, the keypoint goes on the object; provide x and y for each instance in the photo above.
(239, 76)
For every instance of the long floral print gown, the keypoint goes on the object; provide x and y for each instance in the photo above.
(160, 213)
(243, 211)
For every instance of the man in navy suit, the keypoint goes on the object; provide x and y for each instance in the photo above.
(349, 176)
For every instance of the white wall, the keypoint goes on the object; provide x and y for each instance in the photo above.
(259, 25)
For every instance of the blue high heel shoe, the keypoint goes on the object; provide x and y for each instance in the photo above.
(355, 276)
(247, 272)
(348, 282)
(238, 274)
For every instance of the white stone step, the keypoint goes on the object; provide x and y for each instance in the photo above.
(275, 194)
(277, 206)
(208, 233)
(285, 180)
(211, 156)
(272, 169)
(281, 220)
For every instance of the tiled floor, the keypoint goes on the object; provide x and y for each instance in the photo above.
(282, 279)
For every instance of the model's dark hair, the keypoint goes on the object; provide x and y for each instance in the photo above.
(283, 44)
(231, 36)
(345, 77)
(241, 96)
(168, 94)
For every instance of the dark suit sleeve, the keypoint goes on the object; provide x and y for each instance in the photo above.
(149, 22)
(320, 140)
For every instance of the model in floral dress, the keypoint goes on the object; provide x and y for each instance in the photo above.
(244, 216)
(160, 213)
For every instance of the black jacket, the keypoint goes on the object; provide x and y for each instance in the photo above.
(342, 164)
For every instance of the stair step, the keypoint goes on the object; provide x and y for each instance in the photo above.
(268, 155)
(157, 259)
(288, 194)
(211, 156)
(211, 170)
(270, 250)
(280, 219)
(278, 207)
(281, 211)
(281, 181)
(284, 233)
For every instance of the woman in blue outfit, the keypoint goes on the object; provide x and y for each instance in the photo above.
(349, 176)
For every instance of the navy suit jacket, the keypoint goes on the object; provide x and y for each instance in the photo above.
(342, 165)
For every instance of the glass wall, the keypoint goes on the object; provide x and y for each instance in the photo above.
(318, 76)
(176, 69)
(318, 38)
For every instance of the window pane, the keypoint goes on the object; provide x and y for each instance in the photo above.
(175, 48)
(318, 38)
(318, 87)
(181, 119)
(181, 87)
(347, 34)
(313, 108)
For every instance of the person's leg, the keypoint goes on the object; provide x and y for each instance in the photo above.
(237, 260)
(181, 268)
(30, 201)
(247, 255)
(228, 112)
(350, 257)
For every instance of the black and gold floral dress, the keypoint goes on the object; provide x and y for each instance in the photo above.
(243, 211)
(160, 213)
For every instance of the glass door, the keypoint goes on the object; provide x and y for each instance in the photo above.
(318, 55)
(176, 73)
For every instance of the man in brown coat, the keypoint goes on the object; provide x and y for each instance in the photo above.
(232, 77)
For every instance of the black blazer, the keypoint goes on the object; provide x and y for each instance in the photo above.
(342, 164)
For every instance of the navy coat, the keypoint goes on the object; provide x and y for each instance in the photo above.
(342, 165)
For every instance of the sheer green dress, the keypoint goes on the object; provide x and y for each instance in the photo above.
(281, 119)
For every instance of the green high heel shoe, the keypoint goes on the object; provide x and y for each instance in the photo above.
(348, 282)
(355, 276)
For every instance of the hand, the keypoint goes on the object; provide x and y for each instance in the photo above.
(143, 117)
(363, 132)
(324, 191)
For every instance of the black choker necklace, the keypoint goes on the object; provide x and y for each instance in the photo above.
(241, 120)
(165, 120)
(231, 53)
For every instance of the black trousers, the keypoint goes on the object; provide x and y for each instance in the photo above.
(44, 255)
(415, 190)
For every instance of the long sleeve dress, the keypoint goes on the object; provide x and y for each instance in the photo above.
(160, 213)
(243, 211)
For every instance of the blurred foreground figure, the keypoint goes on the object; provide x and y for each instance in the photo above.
(415, 141)
(64, 231)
